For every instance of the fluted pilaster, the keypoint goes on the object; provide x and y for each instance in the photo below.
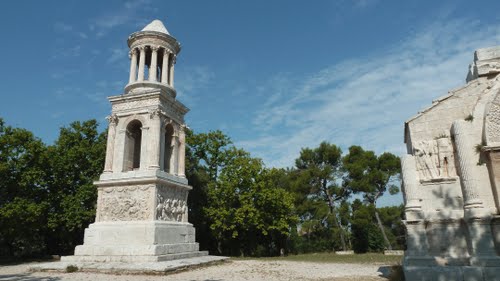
(467, 162)
(154, 141)
(110, 145)
(182, 151)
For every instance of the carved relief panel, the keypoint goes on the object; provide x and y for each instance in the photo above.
(171, 204)
(435, 159)
(127, 203)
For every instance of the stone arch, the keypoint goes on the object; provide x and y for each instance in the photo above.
(491, 130)
(133, 142)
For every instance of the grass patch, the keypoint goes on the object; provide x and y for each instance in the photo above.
(71, 268)
(370, 258)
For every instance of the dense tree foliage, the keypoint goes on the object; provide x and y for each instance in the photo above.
(318, 192)
(46, 192)
(238, 206)
(372, 175)
(244, 210)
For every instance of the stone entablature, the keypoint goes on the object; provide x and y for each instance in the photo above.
(451, 178)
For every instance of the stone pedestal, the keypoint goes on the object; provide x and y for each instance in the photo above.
(136, 242)
(141, 217)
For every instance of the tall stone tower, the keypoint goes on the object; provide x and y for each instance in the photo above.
(142, 193)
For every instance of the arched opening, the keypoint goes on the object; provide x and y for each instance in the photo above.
(169, 147)
(133, 137)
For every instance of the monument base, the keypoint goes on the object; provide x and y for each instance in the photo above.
(452, 273)
(160, 267)
(137, 241)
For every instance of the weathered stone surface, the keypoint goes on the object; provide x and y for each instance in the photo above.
(136, 267)
(142, 213)
(451, 178)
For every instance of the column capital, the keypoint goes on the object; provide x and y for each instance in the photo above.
(142, 48)
(112, 119)
(156, 113)
(155, 48)
(132, 52)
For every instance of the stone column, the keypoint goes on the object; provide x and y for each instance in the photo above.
(164, 67)
(133, 66)
(473, 206)
(142, 60)
(171, 72)
(182, 151)
(413, 207)
(154, 139)
(110, 146)
(154, 64)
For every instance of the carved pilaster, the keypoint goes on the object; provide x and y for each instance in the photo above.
(110, 145)
(410, 182)
(182, 151)
(467, 163)
(154, 140)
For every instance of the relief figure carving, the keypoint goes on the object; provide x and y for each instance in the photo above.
(171, 204)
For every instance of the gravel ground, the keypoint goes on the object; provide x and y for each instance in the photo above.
(239, 270)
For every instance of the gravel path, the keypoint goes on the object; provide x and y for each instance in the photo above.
(247, 270)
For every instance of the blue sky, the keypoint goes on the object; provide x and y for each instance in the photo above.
(275, 76)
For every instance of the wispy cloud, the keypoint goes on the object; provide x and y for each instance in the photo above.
(190, 79)
(67, 52)
(127, 14)
(117, 55)
(62, 27)
(365, 101)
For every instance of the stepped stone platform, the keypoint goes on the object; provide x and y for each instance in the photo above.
(152, 267)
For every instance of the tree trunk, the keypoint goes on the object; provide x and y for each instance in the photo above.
(334, 214)
(379, 222)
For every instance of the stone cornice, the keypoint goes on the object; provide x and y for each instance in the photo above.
(137, 38)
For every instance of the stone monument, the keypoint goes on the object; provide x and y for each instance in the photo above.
(451, 180)
(142, 213)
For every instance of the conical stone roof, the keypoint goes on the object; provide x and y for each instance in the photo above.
(157, 26)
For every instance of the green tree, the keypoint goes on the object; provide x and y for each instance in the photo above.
(76, 160)
(366, 236)
(211, 149)
(206, 154)
(372, 176)
(23, 192)
(317, 183)
(392, 219)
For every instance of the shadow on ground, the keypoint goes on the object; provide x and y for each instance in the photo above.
(26, 277)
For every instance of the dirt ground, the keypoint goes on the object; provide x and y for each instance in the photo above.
(244, 270)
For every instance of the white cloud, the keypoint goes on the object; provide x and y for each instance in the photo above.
(127, 14)
(365, 101)
(62, 27)
(117, 54)
(191, 78)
